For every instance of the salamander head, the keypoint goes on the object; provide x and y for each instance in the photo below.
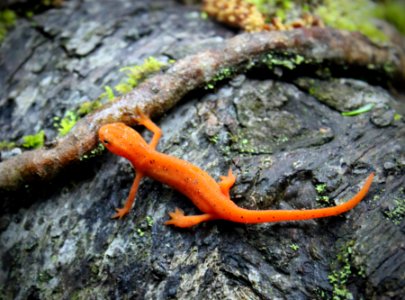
(121, 139)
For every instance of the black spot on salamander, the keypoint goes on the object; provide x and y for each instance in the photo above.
(273, 217)
(241, 217)
(258, 219)
(152, 161)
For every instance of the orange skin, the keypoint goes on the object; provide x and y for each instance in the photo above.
(210, 197)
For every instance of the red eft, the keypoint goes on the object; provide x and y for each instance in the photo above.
(210, 197)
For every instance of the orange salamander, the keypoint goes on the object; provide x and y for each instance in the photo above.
(210, 197)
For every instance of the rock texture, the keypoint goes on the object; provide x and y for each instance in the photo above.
(283, 137)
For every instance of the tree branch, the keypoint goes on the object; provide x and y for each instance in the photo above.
(161, 92)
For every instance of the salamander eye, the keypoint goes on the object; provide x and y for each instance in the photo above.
(105, 141)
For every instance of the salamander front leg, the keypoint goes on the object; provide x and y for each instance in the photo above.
(227, 183)
(145, 121)
(180, 220)
(131, 197)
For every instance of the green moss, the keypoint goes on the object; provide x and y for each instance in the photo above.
(136, 74)
(222, 74)
(321, 190)
(397, 117)
(7, 145)
(44, 277)
(339, 277)
(214, 139)
(109, 92)
(140, 232)
(246, 146)
(242, 144)
(389, 68)
(7, 20)
(294, 247)
(393, 12)
(88, 107)
(351, 15)
(397, 214)
(204, 15)
(281, 139)
(149, 221)
(66, 123)
(93, 153)
(144, 226)
(34, 141)
(287, 61)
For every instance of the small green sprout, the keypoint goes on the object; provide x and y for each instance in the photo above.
(34, 141)
(294, 247)
(360, 110)
(136, 74)
(397, 117)
(214, 139)
(149, 220)
(320, 188)
(323, 199)
(67, 123)
(109, 92)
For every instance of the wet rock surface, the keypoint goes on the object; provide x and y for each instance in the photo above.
(283, 139)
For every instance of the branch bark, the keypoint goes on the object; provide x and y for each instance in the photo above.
(161, 92)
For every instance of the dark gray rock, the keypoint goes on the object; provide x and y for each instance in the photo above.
(279, 139)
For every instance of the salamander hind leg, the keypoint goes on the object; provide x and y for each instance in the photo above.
(178, 219)
(227, 183)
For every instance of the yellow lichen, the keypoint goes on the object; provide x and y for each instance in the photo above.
(306, 20)
(247, 15)
(235, 13)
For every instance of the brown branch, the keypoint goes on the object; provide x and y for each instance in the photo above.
(161, 92)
